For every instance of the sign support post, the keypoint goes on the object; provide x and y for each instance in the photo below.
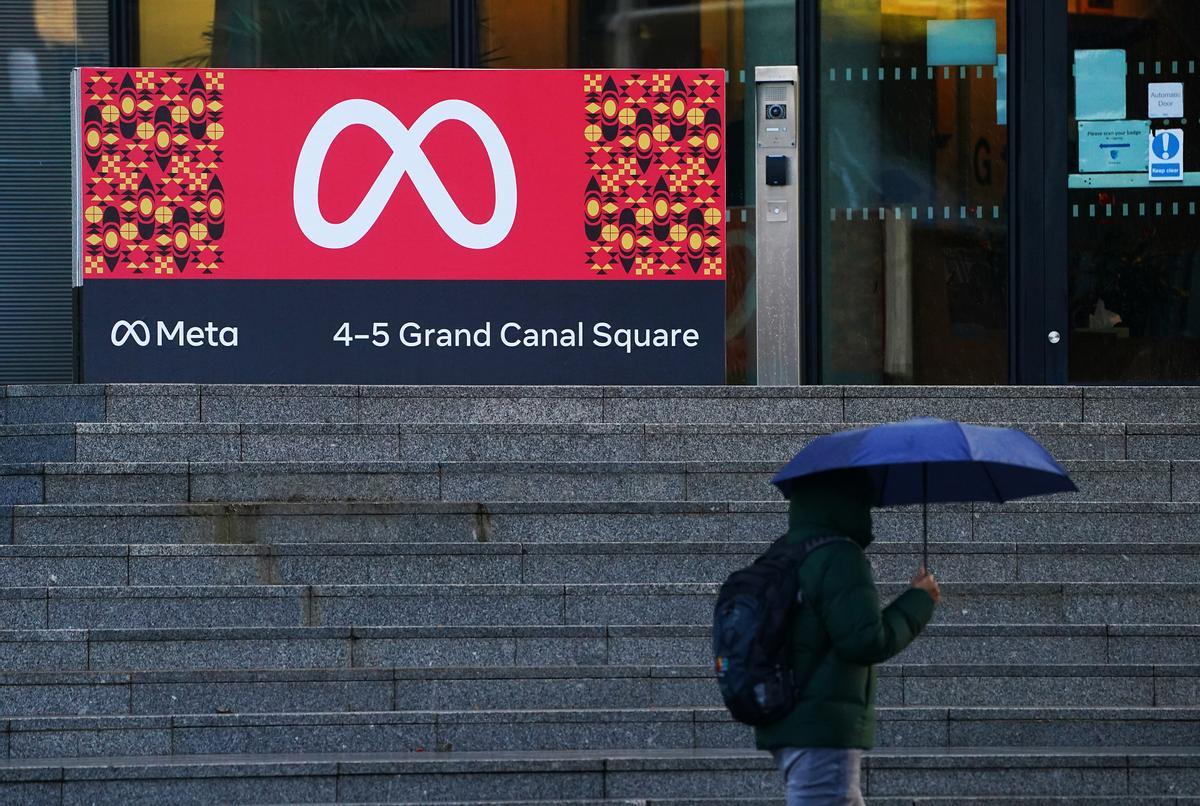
(777, 274)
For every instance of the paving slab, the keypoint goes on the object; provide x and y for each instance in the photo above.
(55, 403)
(160, 442)
(727, 404)
(521, 442)
(138, 482)
(1037, 776)
(739, 441)
(1177, 440)
(37, 443)
(209, 648)
(977, 772)
(336, 442)
(263, 691)
(63, 565)
(174, 606)
(64, 693)
(21, 483)
(1090, 522)
(279, 403)
(1058, 404)
(406, 522)
(488, 404)
(152, 403)
(313, 481)
(42, 649)
(1141, 404)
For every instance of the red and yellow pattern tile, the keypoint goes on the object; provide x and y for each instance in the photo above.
(153, 203)
(654, 205)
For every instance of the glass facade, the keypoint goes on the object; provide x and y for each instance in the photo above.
(294, 33)
(1133, 254)
(914, 192)
(912, 223)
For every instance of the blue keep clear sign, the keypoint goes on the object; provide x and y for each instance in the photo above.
(1166, 155)
(1113, 146)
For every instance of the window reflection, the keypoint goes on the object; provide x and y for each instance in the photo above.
(295, 33)
(914, 256)
(1133, 257)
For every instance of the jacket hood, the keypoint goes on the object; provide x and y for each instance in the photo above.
(833, 503)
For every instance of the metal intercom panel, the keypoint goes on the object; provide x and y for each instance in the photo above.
(777, 204)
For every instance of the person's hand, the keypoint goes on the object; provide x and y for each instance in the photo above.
(925, 581)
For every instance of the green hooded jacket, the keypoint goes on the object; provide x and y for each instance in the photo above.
(839, 631)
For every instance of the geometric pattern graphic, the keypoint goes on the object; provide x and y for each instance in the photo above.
(654, 206)
(153, 203)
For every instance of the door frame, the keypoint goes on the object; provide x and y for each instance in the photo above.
(1038, 97)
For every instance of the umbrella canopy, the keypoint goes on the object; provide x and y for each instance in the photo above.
(934, 461)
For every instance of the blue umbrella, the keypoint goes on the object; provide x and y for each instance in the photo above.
(934, 461)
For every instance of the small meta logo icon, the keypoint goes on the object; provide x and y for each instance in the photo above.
(123, 331)
(407, 159)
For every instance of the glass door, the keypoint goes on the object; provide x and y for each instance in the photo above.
(914, 196)
(1133, 255)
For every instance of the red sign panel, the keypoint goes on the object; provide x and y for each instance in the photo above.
(402, 174)
(402, 226)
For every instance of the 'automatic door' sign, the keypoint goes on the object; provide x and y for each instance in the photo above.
(401, 226)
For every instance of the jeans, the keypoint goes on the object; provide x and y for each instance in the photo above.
(820, 776)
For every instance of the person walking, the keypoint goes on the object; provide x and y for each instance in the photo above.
(838, 632)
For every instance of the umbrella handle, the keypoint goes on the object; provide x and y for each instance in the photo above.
(925, 516)
(925, 537)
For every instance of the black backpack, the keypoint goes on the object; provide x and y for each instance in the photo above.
(750, 634)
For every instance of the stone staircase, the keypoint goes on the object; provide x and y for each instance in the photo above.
(452, 595)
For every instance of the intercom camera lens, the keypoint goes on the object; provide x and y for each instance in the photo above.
(776, 111)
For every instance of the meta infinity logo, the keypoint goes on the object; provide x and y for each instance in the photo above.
(178, 334)
(407, 158)
(123, 331)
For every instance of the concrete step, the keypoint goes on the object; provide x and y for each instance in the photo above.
(1004, 800)
(462, 563)
(593, 404)
(606, 802)
(177, 482)
(520, 442)
(573, 729)
(359, 647)
(1050, 522)
(63, 693)
(118, 607)
(427, 778)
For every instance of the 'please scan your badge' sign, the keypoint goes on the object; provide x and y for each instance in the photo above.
(401, 226)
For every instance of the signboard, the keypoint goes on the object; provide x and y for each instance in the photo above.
(401, 226)
(1166, 156)
(1116, 146)
(1165, 100)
